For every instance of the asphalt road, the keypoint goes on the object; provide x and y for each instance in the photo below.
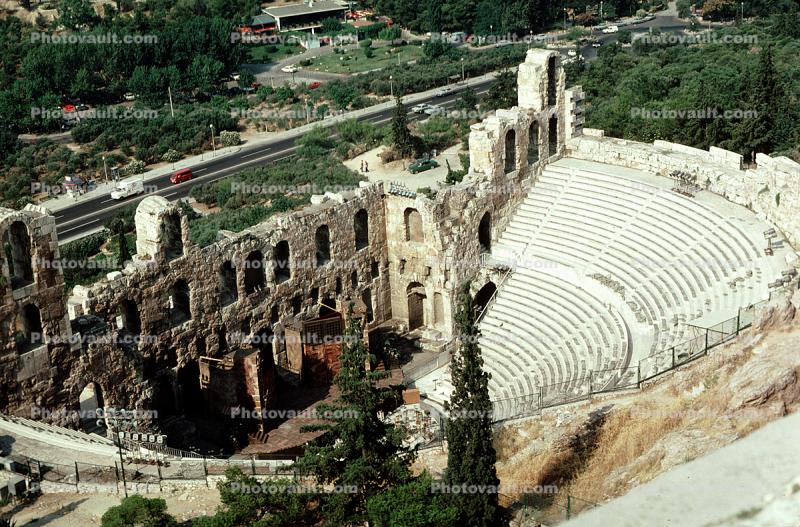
(90, 214)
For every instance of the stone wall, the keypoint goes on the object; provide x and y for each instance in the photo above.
(772, 189)
(177, 302)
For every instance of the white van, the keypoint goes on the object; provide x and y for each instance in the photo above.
(611, 29)
(126, 189)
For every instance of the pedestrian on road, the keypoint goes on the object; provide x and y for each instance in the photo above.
(366, 166)
(362, 165)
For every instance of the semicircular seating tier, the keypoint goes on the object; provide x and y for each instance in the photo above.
(610, 266)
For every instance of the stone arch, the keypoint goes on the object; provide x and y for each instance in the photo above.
(131, 322)
(416, 305)
(361, 229)
(483, 296)
(172, 233)
(180, 303)
(552, 136)
(254, 278)
(485, 233)
(228, 289)
(29, 331)
(17, 250)
(322, 243)
(510, 150)
(551, 80)
(533, 142)
(281, 263)
(413, 223)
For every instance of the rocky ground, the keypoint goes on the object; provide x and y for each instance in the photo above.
(602, 449)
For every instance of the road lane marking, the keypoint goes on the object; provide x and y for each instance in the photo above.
(78, 227)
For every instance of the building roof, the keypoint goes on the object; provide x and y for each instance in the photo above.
(260, 20)
(320, 6)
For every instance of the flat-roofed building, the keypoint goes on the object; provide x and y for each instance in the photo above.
(306, 15)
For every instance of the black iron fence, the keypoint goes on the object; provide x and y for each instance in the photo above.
(157, 473)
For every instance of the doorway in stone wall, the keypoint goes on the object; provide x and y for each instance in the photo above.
(416, 305)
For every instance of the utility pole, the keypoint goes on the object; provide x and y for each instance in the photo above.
(171, 109)
(213, 144)
(391, 87)
(105, 168)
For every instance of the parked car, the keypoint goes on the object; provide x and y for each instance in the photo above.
(68, 108)
(572, 53)
(129, 96)
(443, 92)
(611, 29)
(596, 43)
(421, 165)
(420, 108)
(126, 189)
(291, 68)
(314, 85)
(180, 176)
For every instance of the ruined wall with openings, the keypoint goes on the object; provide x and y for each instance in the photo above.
(435, 245)
(176, 302)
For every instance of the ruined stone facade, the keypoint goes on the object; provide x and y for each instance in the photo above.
(177, 313)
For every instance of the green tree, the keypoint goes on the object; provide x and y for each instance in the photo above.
(360, 453)
(281, 505)
(137, 511)
(76, 13)
(124, 251)
(412, 504)
(401, 136)
(246, 78)
(468, 100)
(471, 456)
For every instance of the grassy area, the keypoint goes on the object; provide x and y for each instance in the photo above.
(355, 60)
(269, 53)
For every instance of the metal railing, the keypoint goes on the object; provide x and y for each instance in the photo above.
(609, 380)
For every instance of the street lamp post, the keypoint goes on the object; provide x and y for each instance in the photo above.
(213, 144)
(601, 11)
(565, 19)
(391, 86)
(742, 11)
(105, 168)
(462, 70)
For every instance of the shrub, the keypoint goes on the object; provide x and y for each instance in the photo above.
(136, 166)
(229, 138)
(170, 156)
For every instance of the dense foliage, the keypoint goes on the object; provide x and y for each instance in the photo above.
(624, 88)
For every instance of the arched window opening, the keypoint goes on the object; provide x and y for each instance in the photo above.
(361, 228)
(485, 233)
(180, 303)
(533, 143)
(254, 278)
(413, 223)
(511, 151)
(228, 291)
(17, 250)
(322, 242)
(281, 262)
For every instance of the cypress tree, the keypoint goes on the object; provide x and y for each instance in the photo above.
(360, 453)
(471, 456)
(403, 140)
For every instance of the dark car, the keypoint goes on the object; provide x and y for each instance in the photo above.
(421, 165)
